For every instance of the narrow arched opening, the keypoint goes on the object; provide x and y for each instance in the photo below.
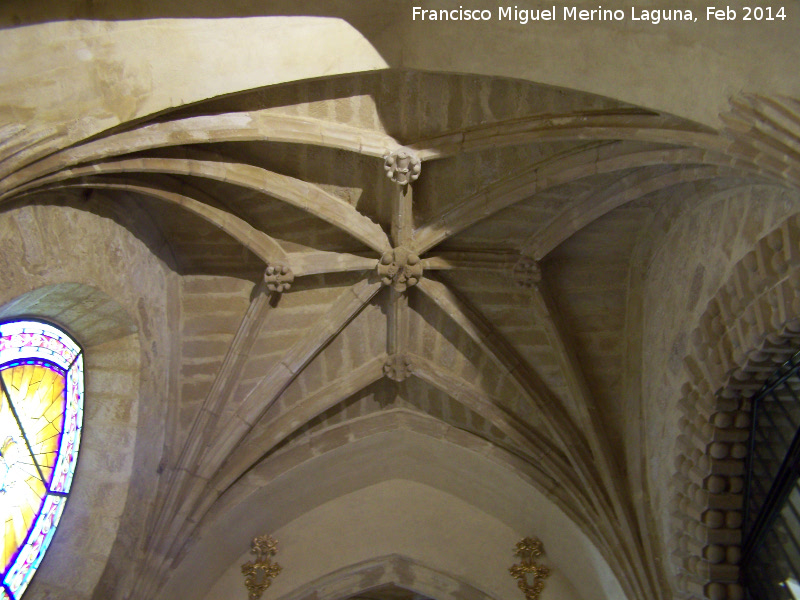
(771, 527)
(41, 417)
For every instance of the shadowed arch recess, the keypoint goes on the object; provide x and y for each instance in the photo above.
(405, 455)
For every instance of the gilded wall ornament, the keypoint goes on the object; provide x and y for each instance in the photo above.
(258, 574)
(402, 166)
(399, 268)
(278, 278)
(530, 576)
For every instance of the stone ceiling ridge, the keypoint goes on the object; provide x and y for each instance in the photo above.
(375, 265)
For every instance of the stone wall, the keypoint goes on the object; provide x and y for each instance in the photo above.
(94, 277)
(710, 252)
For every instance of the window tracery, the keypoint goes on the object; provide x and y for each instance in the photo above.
(41, 413)
(770, 553)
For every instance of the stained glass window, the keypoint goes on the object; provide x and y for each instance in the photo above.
(41, 411)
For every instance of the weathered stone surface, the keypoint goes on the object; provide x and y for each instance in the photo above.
(402, 167)
(400, 268)
(609, 274)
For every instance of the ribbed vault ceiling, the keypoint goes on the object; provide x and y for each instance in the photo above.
(530, 203)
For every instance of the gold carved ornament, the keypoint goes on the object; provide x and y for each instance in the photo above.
(258, 574)
(530, 576)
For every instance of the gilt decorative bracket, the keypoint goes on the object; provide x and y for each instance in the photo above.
(530, 576)
(258, 574)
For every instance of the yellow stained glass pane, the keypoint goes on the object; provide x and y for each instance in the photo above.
(37, 393)
(21, 489)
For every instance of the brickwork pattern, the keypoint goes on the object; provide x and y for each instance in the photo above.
(510, 173)
(747, 330)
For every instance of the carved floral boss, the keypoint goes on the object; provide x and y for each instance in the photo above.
(402, 166)
(400, 268)
(278, 278)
